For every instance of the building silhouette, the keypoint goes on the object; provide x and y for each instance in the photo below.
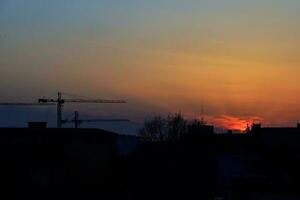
(87, 163)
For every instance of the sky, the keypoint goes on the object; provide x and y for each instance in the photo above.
(232, 62)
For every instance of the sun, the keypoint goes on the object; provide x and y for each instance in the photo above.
(227, 122)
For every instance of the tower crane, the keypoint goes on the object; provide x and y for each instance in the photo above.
(77, 121)
(61, 101)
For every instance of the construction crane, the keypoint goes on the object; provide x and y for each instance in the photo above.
(60, 102)
(78, 121)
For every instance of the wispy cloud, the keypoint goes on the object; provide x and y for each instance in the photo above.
(228, 122)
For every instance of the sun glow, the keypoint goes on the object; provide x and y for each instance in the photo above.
(232, 123)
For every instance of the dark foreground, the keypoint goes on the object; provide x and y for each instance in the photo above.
(94, 164)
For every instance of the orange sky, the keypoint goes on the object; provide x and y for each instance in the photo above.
(239, 60)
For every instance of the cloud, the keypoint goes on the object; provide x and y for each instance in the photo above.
(228, 122)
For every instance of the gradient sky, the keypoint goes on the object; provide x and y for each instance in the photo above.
(233, 61)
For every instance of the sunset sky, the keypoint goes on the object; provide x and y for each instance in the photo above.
(232, 62)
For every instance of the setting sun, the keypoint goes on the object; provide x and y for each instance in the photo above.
(232, 123)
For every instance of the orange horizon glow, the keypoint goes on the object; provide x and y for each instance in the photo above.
(232, 123)
(239, 60)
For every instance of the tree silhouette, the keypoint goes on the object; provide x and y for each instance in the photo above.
(154, 130)
(159, 129)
